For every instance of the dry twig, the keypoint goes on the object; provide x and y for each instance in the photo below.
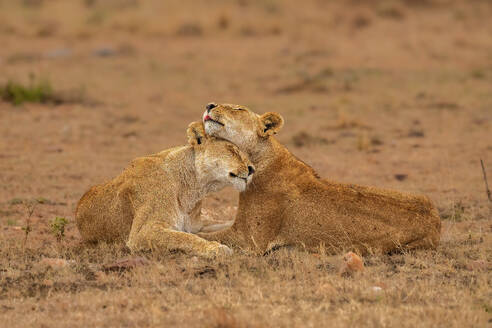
(487, 190)
(27, 229)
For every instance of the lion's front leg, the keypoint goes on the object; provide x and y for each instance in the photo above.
(156, 236)
(229, 237)
(216, 227)
(199, 224)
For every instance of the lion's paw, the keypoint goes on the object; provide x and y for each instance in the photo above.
(224, 250)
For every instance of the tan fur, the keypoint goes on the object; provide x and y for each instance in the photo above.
(155, 203)
(288, 204)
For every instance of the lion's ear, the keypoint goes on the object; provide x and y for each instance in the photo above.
(196, 133)
(271, 123)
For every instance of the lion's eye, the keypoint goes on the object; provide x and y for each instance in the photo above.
(239, 108)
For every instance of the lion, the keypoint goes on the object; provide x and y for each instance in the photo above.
(155, 203)
(288, 204)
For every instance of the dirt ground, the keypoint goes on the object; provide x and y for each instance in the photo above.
(395, 94)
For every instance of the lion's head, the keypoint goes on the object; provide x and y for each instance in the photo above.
(240, 125)
(219, 161)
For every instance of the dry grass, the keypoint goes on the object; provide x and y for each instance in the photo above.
(449, 287)
(394, 94)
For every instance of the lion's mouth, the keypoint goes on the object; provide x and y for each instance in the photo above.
(207, 118)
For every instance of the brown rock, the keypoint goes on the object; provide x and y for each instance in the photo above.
(351, 263)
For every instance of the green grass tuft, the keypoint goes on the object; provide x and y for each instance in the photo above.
(58, 227)
(35, 92)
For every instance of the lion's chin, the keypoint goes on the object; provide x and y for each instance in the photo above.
(212, 128)
(240, 185)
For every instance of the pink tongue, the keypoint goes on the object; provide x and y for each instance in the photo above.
(206, 118)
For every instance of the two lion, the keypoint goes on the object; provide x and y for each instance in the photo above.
(286, 203)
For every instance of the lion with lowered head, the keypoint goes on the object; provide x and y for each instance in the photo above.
(155, 203)
(287, 204)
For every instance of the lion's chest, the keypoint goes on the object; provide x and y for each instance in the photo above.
(183, 223)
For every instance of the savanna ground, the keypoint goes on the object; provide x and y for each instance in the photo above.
(396, 94)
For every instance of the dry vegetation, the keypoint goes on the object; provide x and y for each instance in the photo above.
(391, 93)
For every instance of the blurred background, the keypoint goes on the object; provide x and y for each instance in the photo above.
(392, 93)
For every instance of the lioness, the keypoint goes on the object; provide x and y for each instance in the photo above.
(155, 203)
(288, 204)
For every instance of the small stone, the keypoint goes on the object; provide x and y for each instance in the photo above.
(104, 52)
(401, 177)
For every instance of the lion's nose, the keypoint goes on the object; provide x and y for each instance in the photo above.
(210, 106)
(251, 170)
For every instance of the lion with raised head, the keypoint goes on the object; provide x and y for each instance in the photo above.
(155, 203)
(288, 204)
